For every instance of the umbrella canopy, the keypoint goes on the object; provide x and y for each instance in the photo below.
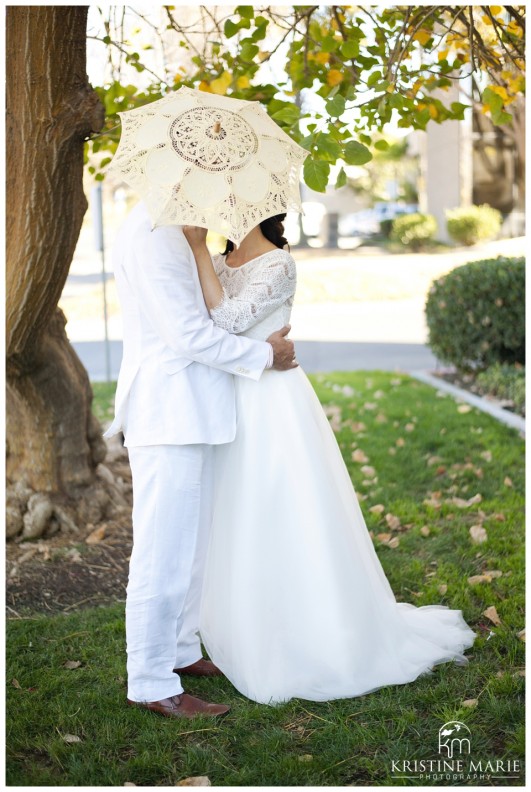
(201, 159)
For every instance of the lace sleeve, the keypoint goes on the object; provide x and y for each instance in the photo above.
(266, 286)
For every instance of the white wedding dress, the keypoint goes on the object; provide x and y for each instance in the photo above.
(295, 601)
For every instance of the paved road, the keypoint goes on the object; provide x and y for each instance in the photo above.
(313, 356)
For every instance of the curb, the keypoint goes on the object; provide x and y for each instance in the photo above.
(485, 405)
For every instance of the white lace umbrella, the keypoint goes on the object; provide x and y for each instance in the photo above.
(201, 159)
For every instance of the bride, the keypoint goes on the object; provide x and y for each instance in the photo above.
(295, 602)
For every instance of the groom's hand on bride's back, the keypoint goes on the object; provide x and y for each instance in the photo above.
(283, 350)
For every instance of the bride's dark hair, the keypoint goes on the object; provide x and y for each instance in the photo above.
(273, 230)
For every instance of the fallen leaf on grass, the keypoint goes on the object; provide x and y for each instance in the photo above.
(464, 408)
(507, 481)
(499, 517)
(485, 577)
(389, 540)
(195, 781)
(409, 427)
(478, 534)
(465, 504)
(71, 738)
(16, 683)
(392, 451)
(442, 589)
(72, 664)
(469, 703)
(392, 521)
(96, 536)
(367, 470)
(433, 460)
(441, 470)
(425, 531)
(129, 783)
(357, 426)
(492, 614)
(359, 456)
(305, 758)
(370, 406)
(400, 442)
(378, 509)
(521, 635)
(435, 503)
(486, 455)
(380, 418)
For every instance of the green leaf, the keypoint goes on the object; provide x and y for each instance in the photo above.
(245, 11)
(316, 173)
(350, 48)
(341, 178)
(356, 153)
(381, 145)
(336, 106)
(288, 115)
(230, 28)
(501, 117)
(248, 50)
(327, 148)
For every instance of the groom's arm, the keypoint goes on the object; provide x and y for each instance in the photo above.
(168, 297)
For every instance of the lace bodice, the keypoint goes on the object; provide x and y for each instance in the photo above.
(258, 296)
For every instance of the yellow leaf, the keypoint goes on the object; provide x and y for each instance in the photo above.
(442, 54)
(322, 57)
(494, 10)
(486, 20)
(204, 86)
(221, 83)
(500, 90)
(243, 81)
(334, 77)
(422, 36)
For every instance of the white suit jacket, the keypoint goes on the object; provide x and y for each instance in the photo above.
(175, 384)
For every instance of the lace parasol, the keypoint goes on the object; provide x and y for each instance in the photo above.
(201, 159)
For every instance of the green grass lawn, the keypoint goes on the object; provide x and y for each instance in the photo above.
(429, 456)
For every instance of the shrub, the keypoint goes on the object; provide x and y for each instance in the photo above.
(505, 382)
(414, 230)
(476, 314)
(472, 224)
(386, 227)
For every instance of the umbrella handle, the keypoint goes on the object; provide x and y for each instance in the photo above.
(217, 127)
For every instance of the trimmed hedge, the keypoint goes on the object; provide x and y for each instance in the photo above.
(471, 224)
(414, 230)
(476, 314)
(506, 383)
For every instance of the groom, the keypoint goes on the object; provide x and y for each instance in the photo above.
(175, 401)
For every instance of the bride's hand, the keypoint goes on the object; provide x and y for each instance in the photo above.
(195, 235)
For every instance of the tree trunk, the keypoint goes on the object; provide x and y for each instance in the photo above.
(53, 442)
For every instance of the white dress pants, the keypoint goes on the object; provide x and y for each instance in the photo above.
(172, 513)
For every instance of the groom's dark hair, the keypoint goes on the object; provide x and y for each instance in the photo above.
(272, 228)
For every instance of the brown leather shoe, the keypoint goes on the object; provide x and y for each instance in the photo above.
(182, 706)
(203, 667)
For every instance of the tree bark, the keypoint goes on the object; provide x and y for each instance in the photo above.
(54, 443)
